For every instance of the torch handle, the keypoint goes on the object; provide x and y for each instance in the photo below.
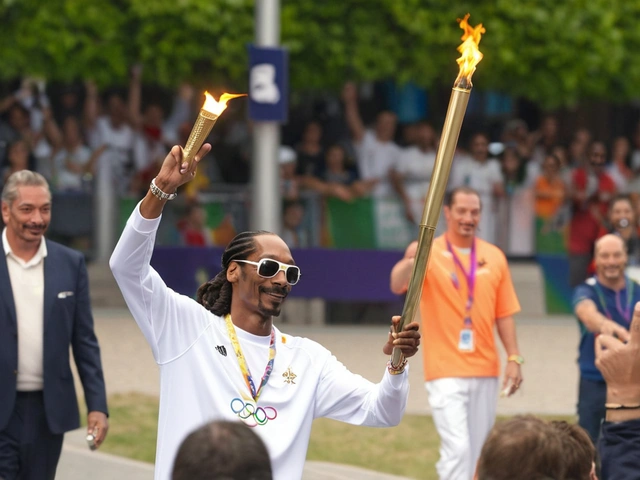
(432, 206)
(199, 133)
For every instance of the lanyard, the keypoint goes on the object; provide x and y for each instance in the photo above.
(626, 313)
(243, 363)
(469, 276)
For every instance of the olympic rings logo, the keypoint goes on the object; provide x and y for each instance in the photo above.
(252, 415)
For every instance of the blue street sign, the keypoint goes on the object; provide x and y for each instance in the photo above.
(268, 84)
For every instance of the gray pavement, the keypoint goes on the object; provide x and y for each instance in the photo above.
(79, 463)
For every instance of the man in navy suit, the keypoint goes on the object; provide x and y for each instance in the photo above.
(44, 308)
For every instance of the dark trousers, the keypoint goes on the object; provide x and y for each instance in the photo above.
(28, 449)
(591, 399)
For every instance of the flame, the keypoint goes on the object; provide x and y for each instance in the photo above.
(471, 56)
(210, 104)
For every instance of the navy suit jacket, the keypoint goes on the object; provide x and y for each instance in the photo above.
(67, 321)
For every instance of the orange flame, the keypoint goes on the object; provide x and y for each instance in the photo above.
(210, 104)
(471, 56)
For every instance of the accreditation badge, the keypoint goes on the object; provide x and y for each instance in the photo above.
(466, 343)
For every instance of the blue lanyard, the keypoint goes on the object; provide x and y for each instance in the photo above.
(626, 313)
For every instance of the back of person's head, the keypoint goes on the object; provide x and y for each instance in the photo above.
(222, 450)
(523, 448)
(578, 450)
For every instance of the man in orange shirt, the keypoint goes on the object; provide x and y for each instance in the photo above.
(467, 291)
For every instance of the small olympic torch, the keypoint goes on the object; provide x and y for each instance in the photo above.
(207, 117)
(471, 56)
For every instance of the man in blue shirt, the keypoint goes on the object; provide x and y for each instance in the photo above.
(604, 305)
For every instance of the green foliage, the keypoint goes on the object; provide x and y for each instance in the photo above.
(551, 52)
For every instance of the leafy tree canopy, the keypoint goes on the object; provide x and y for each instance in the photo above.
(551, 52)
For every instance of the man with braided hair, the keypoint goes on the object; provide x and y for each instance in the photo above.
(212, 352)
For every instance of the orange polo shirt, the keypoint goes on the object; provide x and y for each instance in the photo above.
(442, 310)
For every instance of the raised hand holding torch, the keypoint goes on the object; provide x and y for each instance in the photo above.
(207, 118)
(471, 56)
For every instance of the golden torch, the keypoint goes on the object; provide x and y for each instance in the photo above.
(207, 117)
(448, 142)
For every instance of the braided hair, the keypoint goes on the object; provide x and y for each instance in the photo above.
(215, 295)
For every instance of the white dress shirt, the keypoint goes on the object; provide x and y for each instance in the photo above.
(27, 285)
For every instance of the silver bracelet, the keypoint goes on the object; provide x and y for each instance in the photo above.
(159, 193)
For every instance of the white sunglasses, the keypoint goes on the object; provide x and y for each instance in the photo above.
(269, 268)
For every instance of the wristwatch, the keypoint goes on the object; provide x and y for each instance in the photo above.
(516, 358)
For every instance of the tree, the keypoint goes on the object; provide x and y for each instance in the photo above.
(553, 53)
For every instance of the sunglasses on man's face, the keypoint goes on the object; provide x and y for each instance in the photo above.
(269, 268)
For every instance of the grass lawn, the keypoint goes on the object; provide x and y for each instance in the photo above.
(410, 449)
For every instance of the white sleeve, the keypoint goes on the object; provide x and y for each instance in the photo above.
(361, 149)
(141, 156)
(169, 321)
(95, 136)
(394, 161)
(404, 160)
(458, 170)
(350, 398)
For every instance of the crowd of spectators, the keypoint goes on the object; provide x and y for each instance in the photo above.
(531, 182)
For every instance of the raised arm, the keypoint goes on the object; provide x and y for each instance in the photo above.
(172, 175)
(90, 105)
(397, 181)
(352, 114)
(135, 97)
(51, 129)
(157, 310)
(401, 271)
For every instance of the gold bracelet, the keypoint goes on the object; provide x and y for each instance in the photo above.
(399, 369)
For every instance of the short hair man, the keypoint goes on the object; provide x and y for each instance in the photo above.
(602, 304)
(523, 447)
(222, 449)
(44, 293)
(467, 293)
(211, 352)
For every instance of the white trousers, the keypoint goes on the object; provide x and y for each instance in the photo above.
(464, 410)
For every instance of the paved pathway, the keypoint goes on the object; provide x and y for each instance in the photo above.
(549, 344)
(79, 463)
